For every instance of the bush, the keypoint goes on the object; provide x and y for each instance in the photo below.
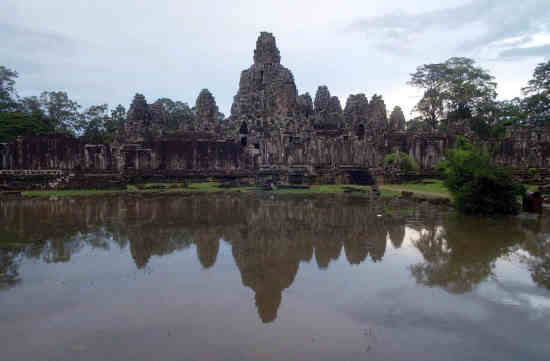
(479, 187)
(532, 172)
(406, 164)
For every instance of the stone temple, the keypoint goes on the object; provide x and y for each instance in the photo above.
(273, 133)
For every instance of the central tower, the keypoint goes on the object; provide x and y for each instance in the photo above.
(267, 92)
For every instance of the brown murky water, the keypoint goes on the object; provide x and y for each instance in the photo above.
(240, 278)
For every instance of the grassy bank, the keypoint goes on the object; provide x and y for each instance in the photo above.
(387, 190)
(207, 187)
(431, 187)
(212, 187)
(427, 187)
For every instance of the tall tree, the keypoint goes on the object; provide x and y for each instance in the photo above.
(95, 118)
(14, 124)
(178, 114)
(454, 89)
(63, 111)
(8, 95)
(537, 101)
(115, 121)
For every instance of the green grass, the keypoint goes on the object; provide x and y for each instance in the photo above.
(531, 187)
(388, 193)
(205, 187)
(211, 187)
(316, 189)
(434, 188)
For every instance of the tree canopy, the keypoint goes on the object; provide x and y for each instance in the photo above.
(536, 104)
(8, 95)
(453, 89)
(53, 111)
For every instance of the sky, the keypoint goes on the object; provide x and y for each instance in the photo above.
(104, 51)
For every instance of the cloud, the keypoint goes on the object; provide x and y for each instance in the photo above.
(543, 50)
(465, 28)
(23, 39)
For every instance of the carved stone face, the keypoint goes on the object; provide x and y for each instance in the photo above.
(266, 50)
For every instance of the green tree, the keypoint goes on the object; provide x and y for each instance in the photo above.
(95, 118)
(63, 111)
(453, 89)
(536, 103)
(177, 114)
(118, 115)
(8, 94)
(507, 113)
(479, 187)
(115, 122)
(417, 124)
(14, 124)
(540, 84)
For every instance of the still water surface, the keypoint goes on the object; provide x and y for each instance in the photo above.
(242, 278)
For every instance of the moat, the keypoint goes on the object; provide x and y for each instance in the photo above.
(264, 277)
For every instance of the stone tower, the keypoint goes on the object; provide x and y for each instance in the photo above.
(206, 111)
(397, 119)
(356, 110)
(267, 92)
(139, 121)
(377, 114)
(327, 110)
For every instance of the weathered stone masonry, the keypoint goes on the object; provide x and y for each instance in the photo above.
(272, 133)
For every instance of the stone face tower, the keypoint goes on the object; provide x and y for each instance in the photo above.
(206, 111)
(266, 51)
(267, 92)
(139, 121)
(397, 119)
(356, 110)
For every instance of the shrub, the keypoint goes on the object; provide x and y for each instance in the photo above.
(479, 187)
(406, 164)
(532, 172)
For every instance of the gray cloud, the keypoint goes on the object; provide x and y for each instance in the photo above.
(469, 27)
(24, 39)
(543, 50)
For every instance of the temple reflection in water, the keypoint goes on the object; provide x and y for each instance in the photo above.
(269, 238)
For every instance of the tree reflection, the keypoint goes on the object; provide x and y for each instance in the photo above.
(462, 252)
(10, 259)
(538, 258)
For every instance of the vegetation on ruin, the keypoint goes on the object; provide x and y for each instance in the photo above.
(478, 186)
(400, 160)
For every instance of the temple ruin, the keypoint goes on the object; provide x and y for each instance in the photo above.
(273, 133)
